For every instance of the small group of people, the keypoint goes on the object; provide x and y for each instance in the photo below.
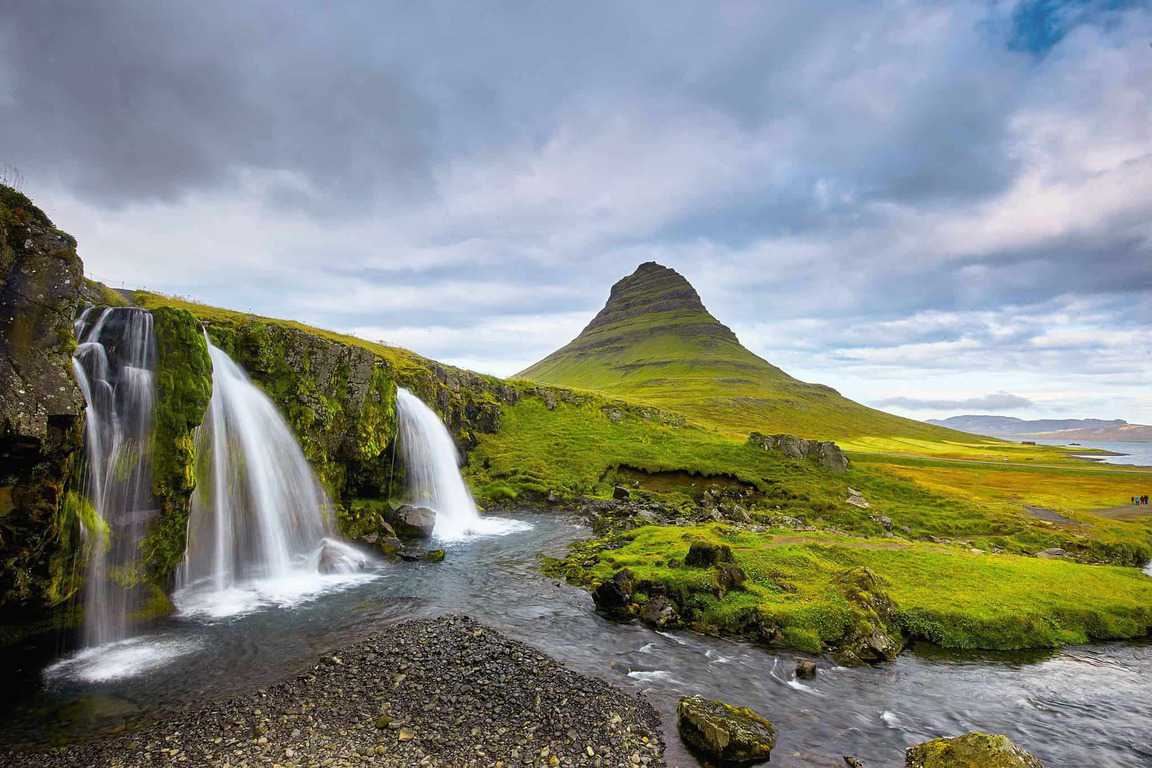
(1138, 500)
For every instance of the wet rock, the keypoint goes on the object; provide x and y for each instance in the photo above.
(704, 554)
(972, 750)
(411, 522)
(390, 546)
(41, 408)
(620, 493)
(853, 762)
(434, 556)
(660, 613)
(805, 669)
(723, 733)
(825, 453)
(615, 595)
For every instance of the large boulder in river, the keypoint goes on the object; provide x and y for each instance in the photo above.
(724, 734)
(972, 750)
(614, 596)
(411, 522)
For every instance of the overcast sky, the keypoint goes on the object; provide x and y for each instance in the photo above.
(936, 208)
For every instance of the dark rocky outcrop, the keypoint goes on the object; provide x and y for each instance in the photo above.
(805, 669)
(723, 733)
(824, 452)
(411, 522)
(972, 750)
(614, 596)
(874, 635)
(41, 408)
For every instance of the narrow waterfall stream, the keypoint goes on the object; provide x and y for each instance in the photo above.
(432, 471)
(113, 363)
(260, 526)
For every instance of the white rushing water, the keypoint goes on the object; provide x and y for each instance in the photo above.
(432, 470)
(260, 529)
(113, 364)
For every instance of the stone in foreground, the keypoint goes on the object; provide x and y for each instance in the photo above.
(972, 750)
(411, 522)
(723, 733)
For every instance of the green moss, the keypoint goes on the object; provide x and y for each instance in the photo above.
(183, 388)
(808, 591)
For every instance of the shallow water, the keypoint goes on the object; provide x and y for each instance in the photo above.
(1083, 706)
(1126, 453)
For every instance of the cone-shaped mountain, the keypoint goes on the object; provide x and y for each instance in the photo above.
(655, 342)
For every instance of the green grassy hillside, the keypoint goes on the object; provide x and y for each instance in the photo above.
(655, 342)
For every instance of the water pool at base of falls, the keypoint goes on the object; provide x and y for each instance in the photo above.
(1081, 706)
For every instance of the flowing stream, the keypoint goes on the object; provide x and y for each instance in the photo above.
(1081, 706)
(114, 362)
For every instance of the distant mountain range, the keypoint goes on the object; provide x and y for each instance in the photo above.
(1070, 430)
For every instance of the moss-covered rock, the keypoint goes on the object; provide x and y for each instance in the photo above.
(183, 389)
(874, 635)
(723, 733)
(973, 750)
(41, 409)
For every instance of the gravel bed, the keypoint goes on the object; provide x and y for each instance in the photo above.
(434, 692)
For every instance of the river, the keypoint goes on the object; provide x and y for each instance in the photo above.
(1080, 706)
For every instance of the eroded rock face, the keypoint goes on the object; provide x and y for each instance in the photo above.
(41, 408)
(825, 453)
(972, 750)
(723, 733)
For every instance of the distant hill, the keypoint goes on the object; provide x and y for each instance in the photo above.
(655, 342)
(1072, 430)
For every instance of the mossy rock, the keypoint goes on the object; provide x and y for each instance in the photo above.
(724, 733)
(973, 750)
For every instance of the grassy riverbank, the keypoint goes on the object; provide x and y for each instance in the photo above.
(955, 597)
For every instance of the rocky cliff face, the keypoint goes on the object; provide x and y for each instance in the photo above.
(41, 409)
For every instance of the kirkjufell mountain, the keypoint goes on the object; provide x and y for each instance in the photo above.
(655, 342)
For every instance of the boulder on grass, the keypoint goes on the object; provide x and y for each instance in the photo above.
(705, 554)
(972, 750)
(724, 734)
(411, 522)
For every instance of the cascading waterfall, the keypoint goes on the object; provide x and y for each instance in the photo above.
(113, 363)
(432, 469)
(258, 512)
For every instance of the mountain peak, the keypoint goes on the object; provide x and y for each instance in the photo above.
(660, 295)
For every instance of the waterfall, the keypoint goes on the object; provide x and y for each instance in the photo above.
(113, 363)
(432, 468)
(258, 512)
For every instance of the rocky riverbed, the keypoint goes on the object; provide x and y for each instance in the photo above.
(433, 692)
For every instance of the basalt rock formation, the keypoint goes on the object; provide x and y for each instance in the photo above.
(824, 452)
(41, 408)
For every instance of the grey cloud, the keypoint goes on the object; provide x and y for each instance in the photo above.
(1000, 401)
